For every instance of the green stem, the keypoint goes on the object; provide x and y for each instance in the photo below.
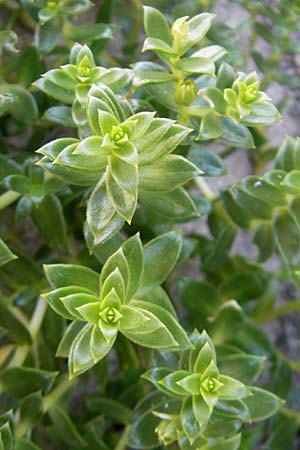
(122, 444)
(205, 189)
(7, 198)
(51, 399)
(34, 326)
(293, 363)
(291, 413)
(274, 313)
(227, 151)
(48, 402)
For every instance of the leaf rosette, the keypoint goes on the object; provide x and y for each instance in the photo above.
(125, 298)
(128, 157)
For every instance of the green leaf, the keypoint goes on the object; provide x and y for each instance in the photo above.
(70, 334)
(8, 39)
(166, 174)
(65, 427)
(158, 45)
(159, 297)
(171, 383)
(134, 255)
(213, 52)
(60, 115)
(82, 306)
(288, 156)
(114, 281)
(55, 91)
(246, 368)
(81, 357)
(200, 298)
(6, 437)
(17, 183)
(8, 167)
(49, 218)
(232, 443)
(202, 411)
(100, 346)
(64, 275)
(175, 206)
(232, 389)
(191, 65)
(117, 78)
(114, 410)
(171, 324)
(233, 409)
(136, 320)
(142, 433)
(143, 77)
(287, 238)
(158, 336)
(262, 114)
(125, 173)
(23, 108)
(24, 444)
(116, 261)
(227, 319)
(198, 26)
(160, 256)
(54, 299)
(236, 134)
(47, 34)
(207, 161)
(11, 321)
(5, 254)
(210, 127)
(123, 202)
(156, 25)
(262, 404)
(161, 138)
(156, 375)
(190, 424)
(83, 33)
(31, 412)
(102, 219)
(21, 381)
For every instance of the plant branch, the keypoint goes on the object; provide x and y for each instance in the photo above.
(205, 188)
(34, 327)
(277, 312)
(121, 445)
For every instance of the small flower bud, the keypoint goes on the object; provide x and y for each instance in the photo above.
(83, 71)
(110, 315)
(119, 136)
(186, 92)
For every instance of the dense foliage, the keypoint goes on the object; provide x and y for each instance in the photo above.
(124, 321)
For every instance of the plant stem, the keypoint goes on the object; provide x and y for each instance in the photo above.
(7, 198)
(291, 413)
(205, 189)
(51, 399)
(293, 363)
(228, 151)
(34, 326)
(274, 313)
(121, 445)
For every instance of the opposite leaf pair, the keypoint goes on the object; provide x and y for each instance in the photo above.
(126, 297)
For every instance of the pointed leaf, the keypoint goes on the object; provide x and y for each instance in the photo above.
(160, 256)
